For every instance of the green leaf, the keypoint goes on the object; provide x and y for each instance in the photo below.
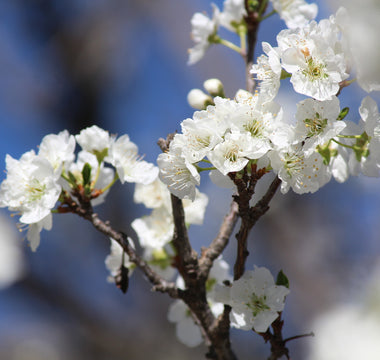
(282, 279)
(86, 174)
(343, 113)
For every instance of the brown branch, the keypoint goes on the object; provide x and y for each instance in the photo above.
(253, 22)
(262, 206)
(245, 189)
(84, 210)
(194, 295)
(278, 348)
(220, 242)
(187, 258)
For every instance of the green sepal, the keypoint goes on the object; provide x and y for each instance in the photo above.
(360, 148)
(326, 153)
(343, 113)
(100, 155)
(72, 179)
(253, 5)
(284, 74)
(86, 174)
(282, 279)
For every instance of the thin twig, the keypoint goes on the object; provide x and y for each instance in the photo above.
(84, 210)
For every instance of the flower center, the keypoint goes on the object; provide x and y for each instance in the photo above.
(232, 153)
(257, 304)
(35, 190)
(293, 163)
(201, 142)
(254, 127)
(314, 70)
(316, 125)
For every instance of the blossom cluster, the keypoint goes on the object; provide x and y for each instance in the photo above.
(232, 134)
(38, 182)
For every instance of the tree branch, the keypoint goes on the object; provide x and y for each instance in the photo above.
(187, 258)
(253, 21)
(220, 242)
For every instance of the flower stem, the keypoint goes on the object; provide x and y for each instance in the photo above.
(341, 144)
(228, 44)
(116, 177)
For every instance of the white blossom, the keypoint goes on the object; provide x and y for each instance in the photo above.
(268, 71)
(177, 173)
(30, 188)
(255, 300)
(232, 154)
(58, 150)
(202, 28)
(233, 14)
(295, 13)
(220, 116)
(94, 140)
(314, 57)
(262, 119)
(302, 174)
(197, 139)
(317, 122)
(130, 167)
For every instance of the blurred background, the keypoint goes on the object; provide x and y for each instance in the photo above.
(121, 64)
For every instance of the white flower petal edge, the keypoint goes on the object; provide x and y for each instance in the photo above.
(30, 188)
(123, 154)
(94, 139)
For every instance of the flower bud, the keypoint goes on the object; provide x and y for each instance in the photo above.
(214, 87)
(198, 99)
